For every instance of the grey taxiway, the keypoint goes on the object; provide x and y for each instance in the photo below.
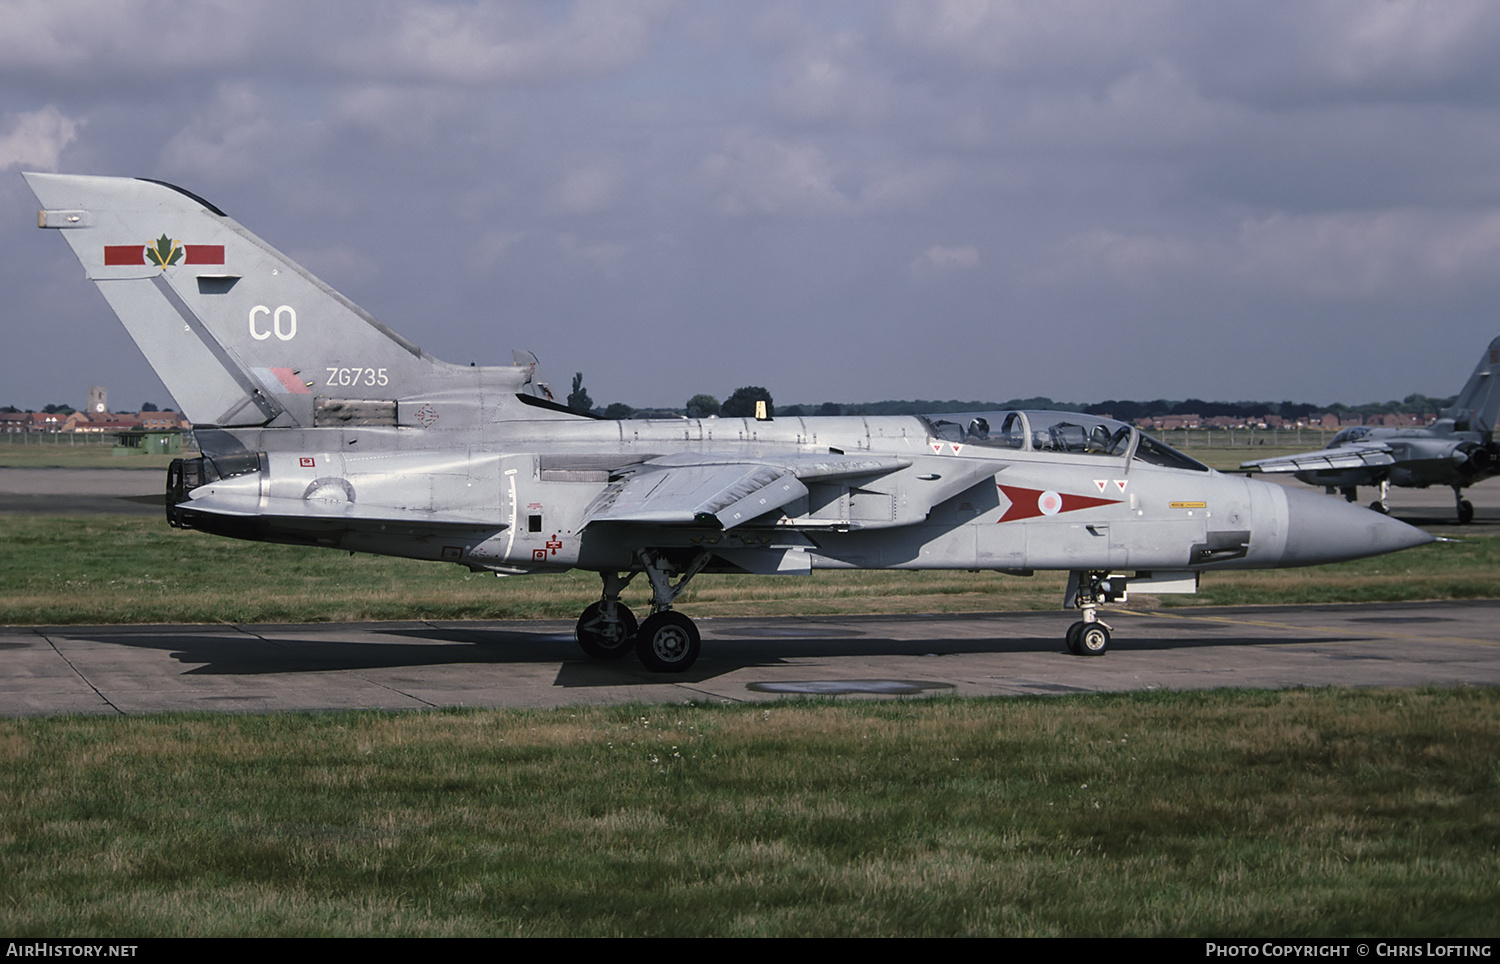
(414, 665)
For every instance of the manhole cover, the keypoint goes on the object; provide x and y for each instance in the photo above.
(840, 687)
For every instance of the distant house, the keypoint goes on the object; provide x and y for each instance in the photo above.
(100, 422)
(162, 421)
(44, 422)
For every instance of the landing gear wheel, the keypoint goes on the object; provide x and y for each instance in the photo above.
(1093, 640)
(1465, 511)
(1379, 506)
(667, 642)
(1074, 631)
(602, 639)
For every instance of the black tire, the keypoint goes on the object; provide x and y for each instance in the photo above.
(667, 642)
(603, 640)
(1379, 506)
(1093, 640)
(1465, 511)
(1074, 631)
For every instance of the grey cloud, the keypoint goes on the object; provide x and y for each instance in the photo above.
(485, 43)
(630, 189)
(35, 139)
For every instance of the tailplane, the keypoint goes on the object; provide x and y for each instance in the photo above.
(1477, 405)
(240, 334)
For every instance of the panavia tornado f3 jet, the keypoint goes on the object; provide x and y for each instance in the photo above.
(320, 426)
(1457, 450)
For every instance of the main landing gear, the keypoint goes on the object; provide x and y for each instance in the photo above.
(1465, 507)
(1086, 591)
(1351, 494)
(668, 641)
(606, 630)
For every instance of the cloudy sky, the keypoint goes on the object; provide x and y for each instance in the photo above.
(838, 201)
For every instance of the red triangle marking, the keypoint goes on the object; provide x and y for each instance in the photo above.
(1025, 503)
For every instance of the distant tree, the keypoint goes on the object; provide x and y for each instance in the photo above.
(10, 409)
(830, 408)
(793, 411)
(702, 406)
(1419, 404)
(578, 398)
(58, 409)
(741, 404)
(618, 410)
(149, 407)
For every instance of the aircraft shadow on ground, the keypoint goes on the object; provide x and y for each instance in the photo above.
(235, 654)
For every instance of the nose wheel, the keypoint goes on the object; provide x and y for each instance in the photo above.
(1088, 591)
(1088, 639)
(1464, 506)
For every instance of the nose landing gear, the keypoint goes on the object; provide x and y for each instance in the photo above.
(1087, 590)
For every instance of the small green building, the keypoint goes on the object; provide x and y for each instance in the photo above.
(142, 442)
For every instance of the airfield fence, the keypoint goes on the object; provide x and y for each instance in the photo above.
(1181, 438)
(105, 439)
(1312, 438)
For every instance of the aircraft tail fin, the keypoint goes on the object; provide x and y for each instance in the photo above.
(1478, 404)
(239, 333)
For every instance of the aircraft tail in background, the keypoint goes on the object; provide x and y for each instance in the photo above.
(1477, 405)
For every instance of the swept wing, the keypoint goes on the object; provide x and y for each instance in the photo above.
(1344, 457)
(692, 489)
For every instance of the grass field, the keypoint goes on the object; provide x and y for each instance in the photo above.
(70, 454)
(1370, 813)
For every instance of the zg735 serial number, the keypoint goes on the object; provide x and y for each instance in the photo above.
(356, 376)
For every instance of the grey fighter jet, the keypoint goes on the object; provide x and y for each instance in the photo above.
(320, 426)
(1457, 450)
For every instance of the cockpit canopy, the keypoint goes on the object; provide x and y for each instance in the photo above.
(1070, 432)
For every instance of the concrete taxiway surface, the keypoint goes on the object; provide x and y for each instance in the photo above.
(83, 491)
(140, 669)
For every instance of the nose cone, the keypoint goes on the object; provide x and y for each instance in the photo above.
(1323, 529)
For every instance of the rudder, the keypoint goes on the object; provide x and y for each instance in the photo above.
(238, 333)
(1478, 404)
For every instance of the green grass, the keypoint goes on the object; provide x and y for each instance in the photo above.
(69, 453)
(1227, 459)
(135, 569)
(1325, 812)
